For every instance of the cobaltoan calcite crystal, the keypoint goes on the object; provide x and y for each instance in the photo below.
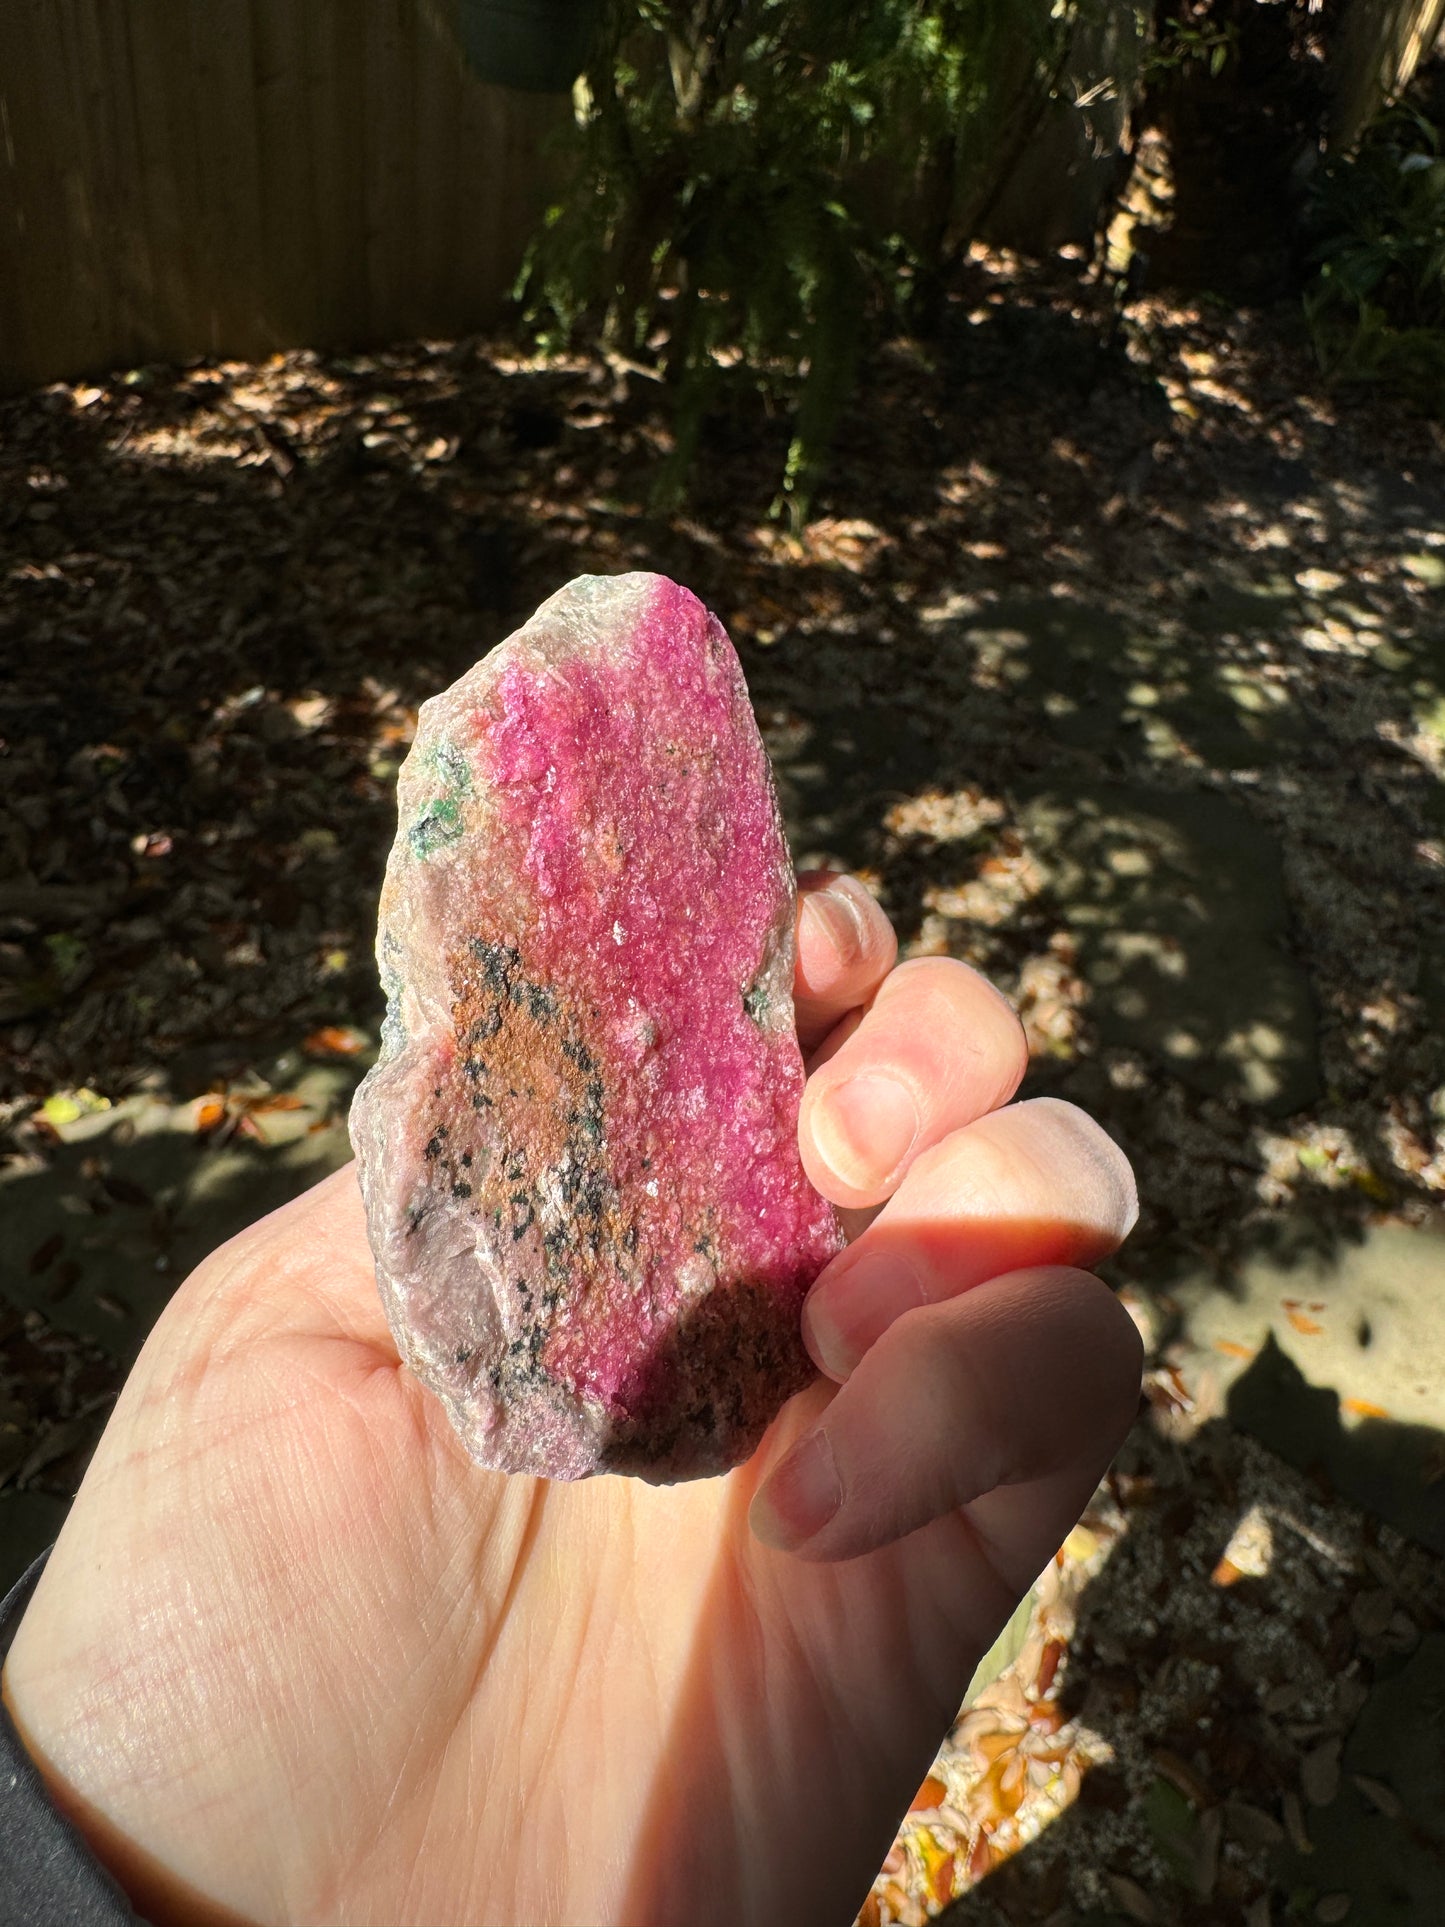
(578, 1150)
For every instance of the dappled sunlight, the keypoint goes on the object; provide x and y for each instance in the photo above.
(1110, 662)
(1014, 1761)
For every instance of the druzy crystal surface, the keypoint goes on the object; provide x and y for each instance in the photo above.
(578, 1150)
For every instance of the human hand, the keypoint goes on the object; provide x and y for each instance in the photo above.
(296, 1658)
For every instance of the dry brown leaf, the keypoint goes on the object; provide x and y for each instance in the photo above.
(1133, 1899)
(1320, 1774)
(932, 1793)
(1232, 1350)
(1181, 1774)
(1371, 1612)
(1294, 1823)
(335, 1040)
(1383, 1798)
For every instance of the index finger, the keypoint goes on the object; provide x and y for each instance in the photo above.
(846, 947)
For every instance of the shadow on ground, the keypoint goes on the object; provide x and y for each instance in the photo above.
(1273, 1727)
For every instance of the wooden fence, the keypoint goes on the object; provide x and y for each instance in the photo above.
(205, 177)
(187, 178)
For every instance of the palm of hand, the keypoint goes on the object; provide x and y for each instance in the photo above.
(439, 1694)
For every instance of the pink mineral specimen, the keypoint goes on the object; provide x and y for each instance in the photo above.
(578, 1150)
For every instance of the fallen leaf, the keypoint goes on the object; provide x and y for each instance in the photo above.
(1045, 1716)
(1363, 1408)
(66, 1106)
(1371, 1612)
(125, 1191)
(932, 1793)
(45, 1254)
(1133, 1899)
(63, 1281)
(1305, 1326)
(1053, 1653)
(1294, 1823)
(940, 1879)
(1179, 1773)
(1232, 1350)
(1320, 1774)
(1380, 1796)
(982, 1859)
(1081, 1544)
(937, 1865)
(335, 1040)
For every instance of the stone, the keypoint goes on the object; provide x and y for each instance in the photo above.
(578, 1149)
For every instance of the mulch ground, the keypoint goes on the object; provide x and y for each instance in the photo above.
(225, 590)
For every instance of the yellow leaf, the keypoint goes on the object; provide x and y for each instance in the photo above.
(64, 1107)
(1363, 1408)
(1081, 1544)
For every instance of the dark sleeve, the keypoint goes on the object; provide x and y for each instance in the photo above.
(48, 1876)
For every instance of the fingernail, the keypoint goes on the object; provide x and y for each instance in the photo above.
(850, 1309)
(865, 1128)
(801, 1496)
(835, 918)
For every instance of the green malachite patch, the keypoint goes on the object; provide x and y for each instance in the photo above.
(440, 822)
(755, 1003)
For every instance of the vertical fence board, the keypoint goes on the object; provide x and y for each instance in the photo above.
(475, 238)
(285, 162)
(338, 132)
(15, 349)
(43, 133)
(163, 87)
(106, 61)
(438, 190)
(89, 189)
(390, 147)
(225, 145)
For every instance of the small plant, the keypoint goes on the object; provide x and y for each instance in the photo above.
(1183, 44)
(1376, 308)
(757, 182)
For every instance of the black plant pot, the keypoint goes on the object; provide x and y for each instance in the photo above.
(538, 46)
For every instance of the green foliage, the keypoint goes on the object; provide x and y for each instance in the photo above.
(757, 182)
(1376, 308)
(1184, 44)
